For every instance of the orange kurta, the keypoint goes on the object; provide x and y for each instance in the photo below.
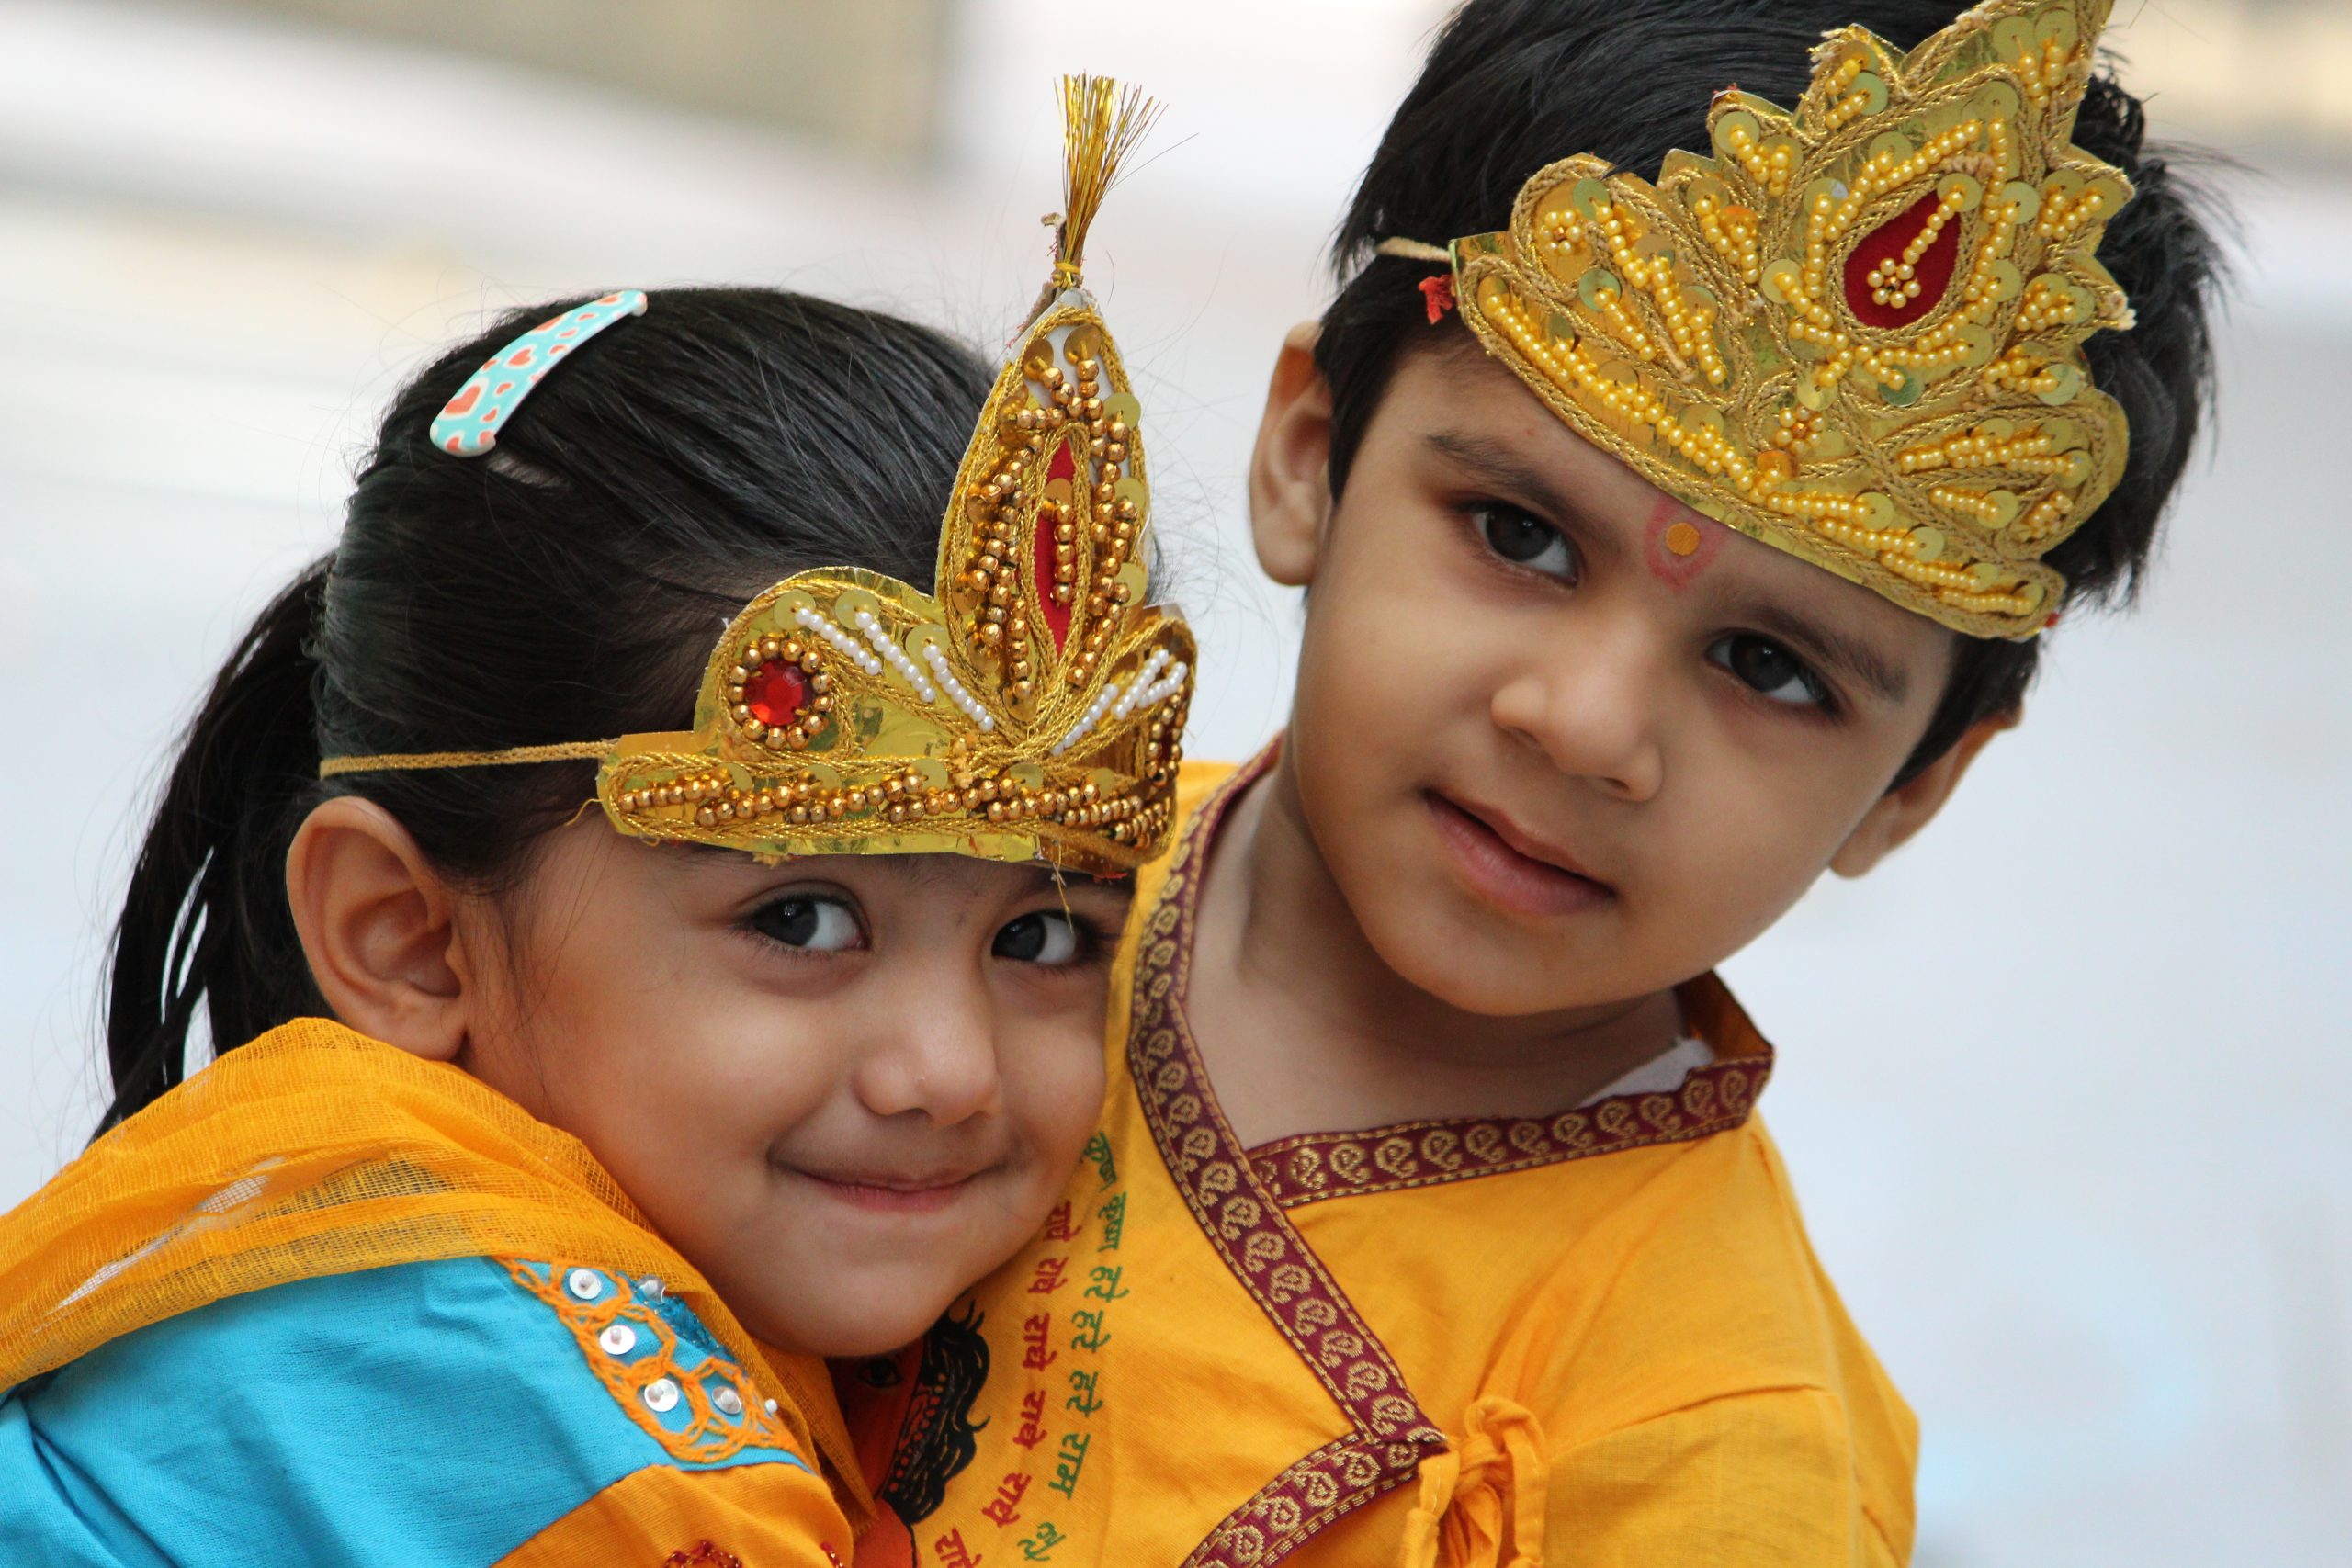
(1596, 1338)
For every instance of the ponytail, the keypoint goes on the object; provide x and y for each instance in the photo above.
(206, 920)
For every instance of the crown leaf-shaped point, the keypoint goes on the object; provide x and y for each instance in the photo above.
(1034, 703)
(1852, 329)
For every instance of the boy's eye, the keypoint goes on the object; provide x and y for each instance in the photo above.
(1524, 539)
(1768, 668)
(1046, 936)
(809, 923)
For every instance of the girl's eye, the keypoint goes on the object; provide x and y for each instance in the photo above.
(1768, 668)
(1047, 937)
(809, 923)
(1525, 540)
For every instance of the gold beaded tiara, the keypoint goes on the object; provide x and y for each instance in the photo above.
(1855, 331)
(1031, 710)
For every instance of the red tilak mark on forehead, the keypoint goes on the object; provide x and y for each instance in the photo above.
(1678, 543)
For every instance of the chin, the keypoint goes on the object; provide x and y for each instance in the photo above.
(864, 1339)
(1461, 971)
(1481, 965)
(842, 1331)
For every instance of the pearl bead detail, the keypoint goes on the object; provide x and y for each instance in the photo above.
(893, 655)
(1086, 721)
(827, 627)
(1164, 688)
(1134, 696)
(963, 699)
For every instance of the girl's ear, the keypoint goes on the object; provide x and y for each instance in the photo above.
(379, 926)
(1289, 469)
(1902, 812)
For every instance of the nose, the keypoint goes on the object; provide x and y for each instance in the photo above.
(935, 1053)
(1590, 702)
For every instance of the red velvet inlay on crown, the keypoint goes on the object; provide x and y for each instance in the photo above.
(1885, 244)
(1063, 465)
(776, 693)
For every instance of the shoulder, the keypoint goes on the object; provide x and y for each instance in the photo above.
(1718, 1321)
(1762, 1476)
(507, 1392)
(1705, 1238)
(1195, 781)
(1199, 786)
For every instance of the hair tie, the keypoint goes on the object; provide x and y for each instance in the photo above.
(1437, 292)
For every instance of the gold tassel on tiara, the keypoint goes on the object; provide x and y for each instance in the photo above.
(1101, 123)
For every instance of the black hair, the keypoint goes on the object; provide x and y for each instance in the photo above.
(1511, 85)
(567, 587)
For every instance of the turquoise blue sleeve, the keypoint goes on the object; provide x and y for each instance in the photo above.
(428, 1415)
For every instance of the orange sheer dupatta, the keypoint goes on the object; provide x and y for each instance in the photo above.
(316, 1151)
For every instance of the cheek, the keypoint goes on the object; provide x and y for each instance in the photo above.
(1746, 843)
(1054, 1090)
(1385, 662)
(676, 1068)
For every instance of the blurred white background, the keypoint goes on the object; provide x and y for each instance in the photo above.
(2058, 1084)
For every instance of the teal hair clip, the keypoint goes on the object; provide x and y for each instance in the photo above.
(468, 426)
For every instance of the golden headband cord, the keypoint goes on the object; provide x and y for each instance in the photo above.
(572, 751)
(1414, 250)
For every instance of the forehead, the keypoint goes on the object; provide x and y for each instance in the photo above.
(947, 877)
(1454, 408)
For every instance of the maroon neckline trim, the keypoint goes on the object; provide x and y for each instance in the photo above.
(1388, 1434)
(1311, 1167)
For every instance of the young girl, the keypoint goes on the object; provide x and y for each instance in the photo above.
(626, 1115)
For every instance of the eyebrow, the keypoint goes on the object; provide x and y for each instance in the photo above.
(1855, 657)
(1507, 468)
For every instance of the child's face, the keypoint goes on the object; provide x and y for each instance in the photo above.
(844, 1088)
(1562, 742)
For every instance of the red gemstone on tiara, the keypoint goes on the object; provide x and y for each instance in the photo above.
(1063, 465)
(1884, 247)
(776, 693)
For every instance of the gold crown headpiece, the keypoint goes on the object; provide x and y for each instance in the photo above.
(1855, 331)
(1033, 708)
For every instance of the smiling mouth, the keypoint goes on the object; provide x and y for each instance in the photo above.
(1508, 868)
(888, 1193)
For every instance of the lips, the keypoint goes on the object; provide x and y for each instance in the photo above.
(1509, 867)
(892, 1192)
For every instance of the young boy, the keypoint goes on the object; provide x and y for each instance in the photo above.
(1429, 1217)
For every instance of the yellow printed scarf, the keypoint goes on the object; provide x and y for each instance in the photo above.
(316, 1151)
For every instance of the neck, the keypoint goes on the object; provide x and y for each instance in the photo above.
(1306, 1029)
